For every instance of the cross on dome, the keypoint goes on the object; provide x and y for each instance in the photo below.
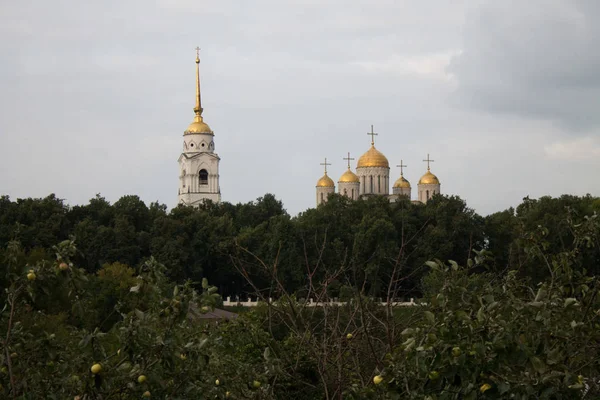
(348, 159)
(428, 160)
(402, 166)
(372, 134)
(325, 164)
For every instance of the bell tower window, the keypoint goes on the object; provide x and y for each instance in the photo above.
(203, 177)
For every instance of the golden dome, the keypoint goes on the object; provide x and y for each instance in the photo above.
(402, 183)
(373, 158)
(325, 181)
(348, 177)
(429, 179)
(198, 126)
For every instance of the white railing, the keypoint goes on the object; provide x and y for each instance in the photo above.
(311, 303)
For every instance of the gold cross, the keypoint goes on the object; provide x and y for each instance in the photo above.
(325, 164)
(428, 161)
(349, 159)
(373, 134)
(402, 166)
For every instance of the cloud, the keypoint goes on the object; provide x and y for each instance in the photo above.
(535, 59)
(585, 148)
(431, 66)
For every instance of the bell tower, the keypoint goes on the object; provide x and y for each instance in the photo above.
(198, 163)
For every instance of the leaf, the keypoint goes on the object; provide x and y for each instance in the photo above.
(541, 293)
(430, 317)
(139, 314)
(462, 316)
(569, 301)
(175, 290)
(538, 365)
(407, 331)
(480, 315)
(454, 265)
(204, 283)
(503, 387)
(135, 289)
(84, 342)
(576, 386)
(267, 354)
(554, 356)
(433, 265)
(576, 324)
(410, 343)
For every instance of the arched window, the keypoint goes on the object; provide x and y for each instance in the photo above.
(352, 193)
(378, 184)
(322, 197)
(203, 177)
(345, 192)
(371, 178)
(427, 194)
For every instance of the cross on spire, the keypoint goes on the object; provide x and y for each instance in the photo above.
(349, 159)
(325, 164)
(401, 166)
(197, 53)
(372, 134)
(428, 160)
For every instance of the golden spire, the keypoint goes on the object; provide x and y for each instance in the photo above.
(198, 108)
(198, 125)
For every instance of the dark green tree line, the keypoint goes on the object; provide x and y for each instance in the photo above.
(370, 239)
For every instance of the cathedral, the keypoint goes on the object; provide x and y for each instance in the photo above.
(372, 178)
(198, 163)
(199, 169)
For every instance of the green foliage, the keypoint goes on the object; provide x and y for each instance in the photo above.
(368, 238)
(51, 345)
(492, 336)
(512, 314)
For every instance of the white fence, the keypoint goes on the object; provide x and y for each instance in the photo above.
(311, 303)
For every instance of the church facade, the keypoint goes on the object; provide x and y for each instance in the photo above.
(198, 162)
(372, 178)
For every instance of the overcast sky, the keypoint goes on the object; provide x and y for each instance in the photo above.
(504, 95)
